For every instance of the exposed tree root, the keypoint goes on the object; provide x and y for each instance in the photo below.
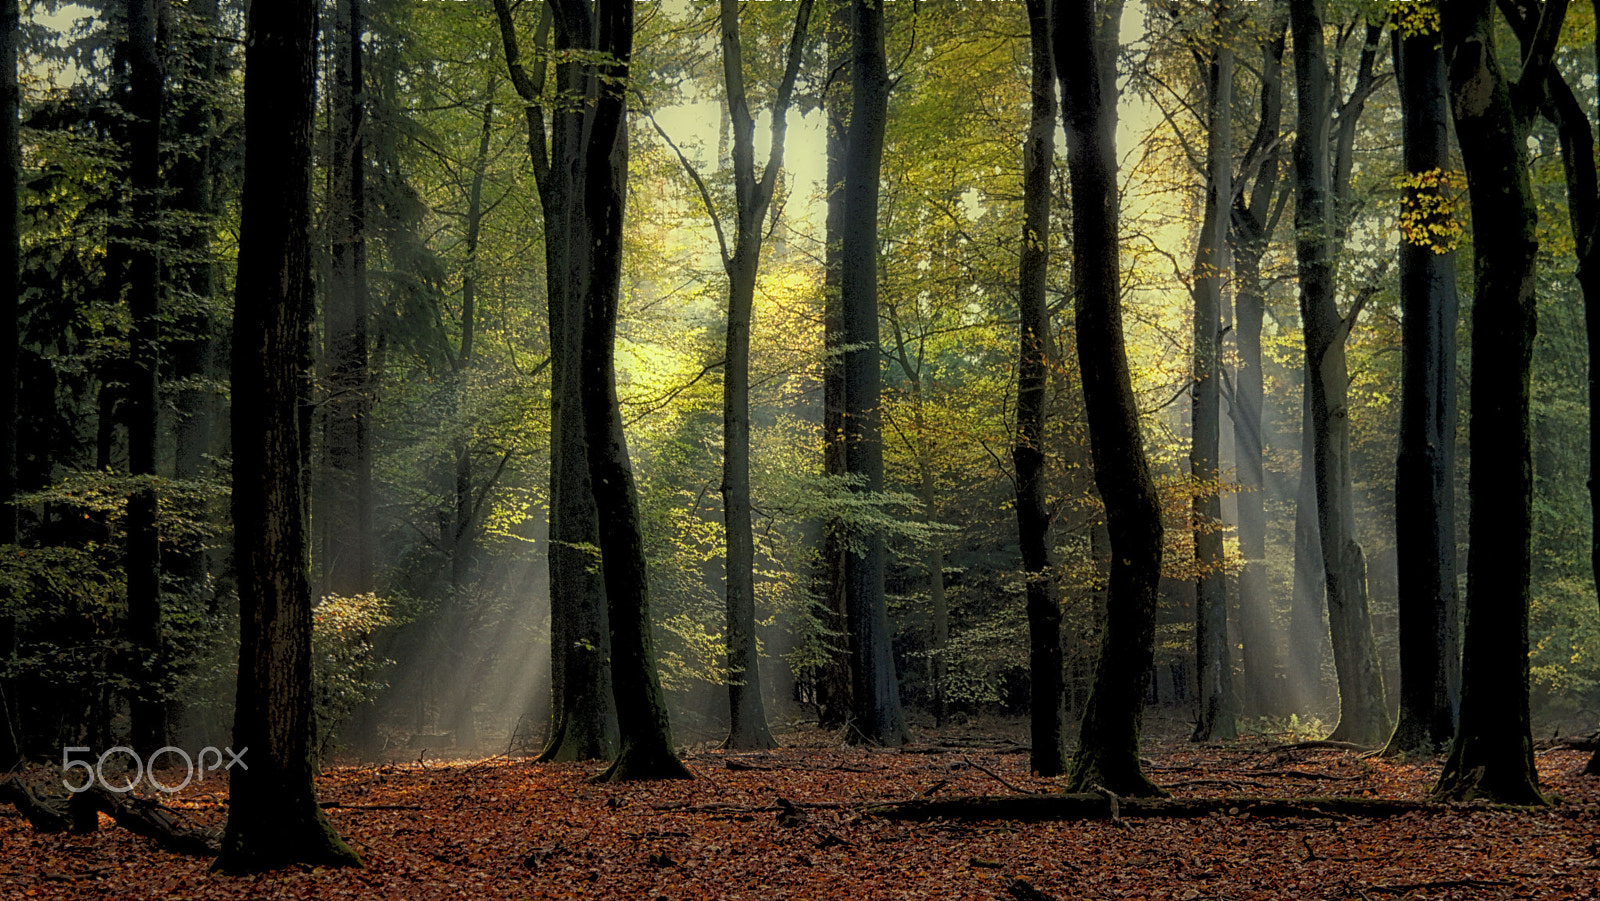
(44, 817)
(144, 817)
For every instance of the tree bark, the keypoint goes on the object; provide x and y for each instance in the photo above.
(1363, 711)
(273, 817)
(347, 515)
(875, 692)
(583, 713)
(1492, 755)
(1424, 502)
(1028, 454)
(1215, 718)
(1085, 43)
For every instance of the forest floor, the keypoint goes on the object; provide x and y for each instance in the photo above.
(504, 828)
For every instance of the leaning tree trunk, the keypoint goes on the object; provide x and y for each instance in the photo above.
(1363, 712)
(1424, 496)
(273, 816)
(583, 713)
(1216, 715)
(1085, 43)
(1033, 382)
(1492, 755)
(875, 691)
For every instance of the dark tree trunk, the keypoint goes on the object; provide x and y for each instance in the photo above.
(583, 712)
(753, 194)
(875, 690)
(1492, 755)
(833, 677)
(196, 358)
(1033, 382)
(347, 517)
(10, 348)
(148, 709)
(1085, 43)
(1216, 713)
(273, 816)
(1424, 495)
(645, 737)
(1255, 219)
(1363, 712)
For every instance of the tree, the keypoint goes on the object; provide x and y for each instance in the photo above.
(875, 690)
(1033, 374)
(1085, 43)
(644, 735)
(273, 816)
(347, 517)
(10, 345)
(748, 727)
(584, 723)
(143, 560)
(1492, 755)
(1214, 660)
(1425, 524)
(1321, 179)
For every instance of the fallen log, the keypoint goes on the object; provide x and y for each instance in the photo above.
(44, 817)
(1097, 806)
(141, 816)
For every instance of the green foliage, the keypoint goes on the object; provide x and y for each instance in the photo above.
(344, 667)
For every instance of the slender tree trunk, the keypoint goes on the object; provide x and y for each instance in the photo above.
(10, 349)
(1085, 43)
(1425, 525)
(875, 691)
(1028, 454)
(148, 713)
(1308, 621)
(347, 519)
(1363, 712)
(1255, 219)
(273, 816)
(1213, 660)
(583, 712)
(833, 678)
(1492, 755)
(753, 194)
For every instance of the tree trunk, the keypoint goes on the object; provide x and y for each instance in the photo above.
(833, 677)
(645, 737)
(1363, 712)
(1216, 715)
(1255, 219)
(1424, 495)
(347, 517)
(10, 349)
(748, 729)
(273, 817)
(148, 709)
(1046, 695)
(875, 691)
(1492, 755)
(583, 713)
(1085, 43)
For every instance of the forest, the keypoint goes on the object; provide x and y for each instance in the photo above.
(842, 448)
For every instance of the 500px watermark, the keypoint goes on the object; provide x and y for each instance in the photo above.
(145, 770)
